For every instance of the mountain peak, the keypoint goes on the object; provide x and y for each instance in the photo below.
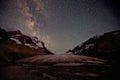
(104, 46)
(15, 44)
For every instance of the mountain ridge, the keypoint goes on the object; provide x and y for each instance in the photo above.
(15, 45)
(104, 46)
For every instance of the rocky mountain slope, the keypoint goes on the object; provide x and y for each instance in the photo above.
(106, 46)
(15, 45)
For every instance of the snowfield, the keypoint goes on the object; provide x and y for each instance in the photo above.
(66, 58)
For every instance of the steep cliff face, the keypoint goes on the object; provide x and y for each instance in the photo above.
(105, 46)
(15, 45)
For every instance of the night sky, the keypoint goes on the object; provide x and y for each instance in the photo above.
(61, 24)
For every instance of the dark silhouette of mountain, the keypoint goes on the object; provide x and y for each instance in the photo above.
(3, 35)
(15, 45)
(106, 46)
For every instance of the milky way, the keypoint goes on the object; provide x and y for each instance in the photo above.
(61, 24)
(26, 8)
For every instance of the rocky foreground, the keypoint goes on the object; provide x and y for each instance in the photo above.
(58, 67)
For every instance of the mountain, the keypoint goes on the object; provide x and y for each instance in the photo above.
(31, 60)
(15, 45)
(105, 46)
(25, 40)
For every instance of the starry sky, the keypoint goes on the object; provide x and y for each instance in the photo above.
(61, 24)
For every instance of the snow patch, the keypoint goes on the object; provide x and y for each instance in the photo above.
(29, 45)
(116, 33)
(39, 44)
(80, 44)
(16, 40)
(88, 46)
(36, 41)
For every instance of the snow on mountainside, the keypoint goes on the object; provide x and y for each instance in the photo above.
(89, 44)
(19, 38)
(105, 46)
(15, 45)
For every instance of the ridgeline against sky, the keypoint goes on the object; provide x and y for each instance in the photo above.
(61, 24)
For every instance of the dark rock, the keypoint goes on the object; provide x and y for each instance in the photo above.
(106, 46)
(15, 45)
